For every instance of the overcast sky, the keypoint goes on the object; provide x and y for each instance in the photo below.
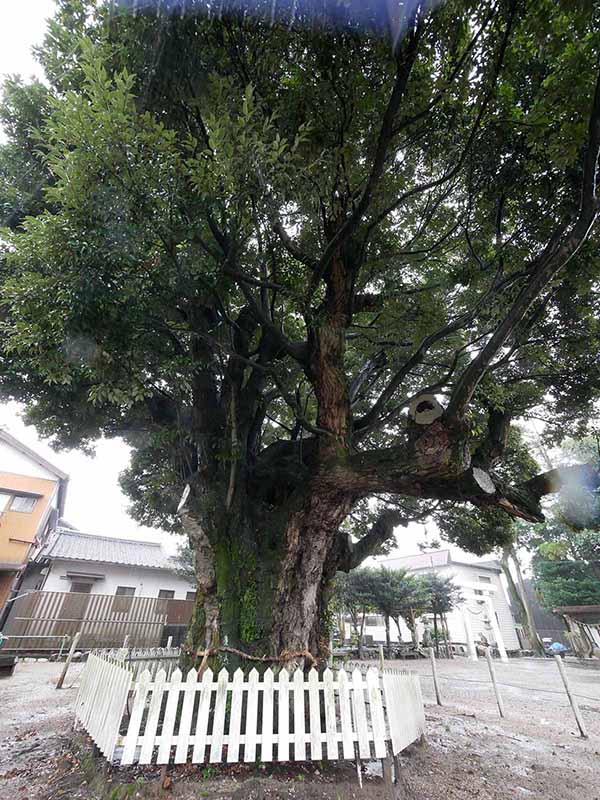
(95, 502)
(22, 25)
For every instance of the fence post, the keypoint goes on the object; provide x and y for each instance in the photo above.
(435, 678)
(572, 699)
(169, 641)
(63, 674)
(126, 642)
(381, 658)
(488, 658)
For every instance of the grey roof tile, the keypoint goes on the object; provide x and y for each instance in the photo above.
(439, 558)
(74, 545)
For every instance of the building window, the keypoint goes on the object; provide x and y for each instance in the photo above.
(477, 591)
(166, 594)
(484, 578)
(23, 504)
(123, 599)
(81, 588)
(190, 595)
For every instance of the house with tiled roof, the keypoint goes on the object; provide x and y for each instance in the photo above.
(105, 588)
(72, 561)
(32, 497)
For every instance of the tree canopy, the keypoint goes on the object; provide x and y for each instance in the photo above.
(308, 271)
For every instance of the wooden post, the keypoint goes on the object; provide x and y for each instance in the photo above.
(488, 657)
(434, 673)
(572, 698)
(169, 642)
(381, 658)
(126, 641)
(63, 674)
(388, 777)
(496, 629)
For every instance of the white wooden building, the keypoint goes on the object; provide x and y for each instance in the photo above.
(104, 588)
(72, 561)
(485, 608)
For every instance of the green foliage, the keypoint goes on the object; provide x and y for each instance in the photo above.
(354, 592)
(442, 593)
(167, 156)
(396, 591)
(565, 583)
(186, 562)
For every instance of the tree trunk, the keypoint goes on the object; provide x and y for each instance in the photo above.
(397, 621)
(388, 642)
(413, 627)
(435, 634)
(446, 636)
(265, 524)
(534, 636)
(514, 594)
(360, 635)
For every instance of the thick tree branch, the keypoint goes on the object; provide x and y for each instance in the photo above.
(404, 63)
(381, 531)
(491, 450)
(297, 350)
(292, 247)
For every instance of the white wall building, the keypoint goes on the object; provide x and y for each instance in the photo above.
(72, 561)
(485, 608)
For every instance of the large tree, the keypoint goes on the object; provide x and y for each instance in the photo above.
(307, 272)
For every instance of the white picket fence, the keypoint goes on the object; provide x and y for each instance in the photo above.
(280, 717)
(138, 659)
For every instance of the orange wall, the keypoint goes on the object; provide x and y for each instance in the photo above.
(6, 581)
(17, 525)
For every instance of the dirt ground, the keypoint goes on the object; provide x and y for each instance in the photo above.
(534, 752)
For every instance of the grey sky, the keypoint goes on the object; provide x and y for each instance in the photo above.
(22, 25)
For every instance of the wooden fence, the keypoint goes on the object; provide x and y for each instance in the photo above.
(279, 717)
(104, 620)
(138, 659)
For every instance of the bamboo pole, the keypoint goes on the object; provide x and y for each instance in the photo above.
(435, 677)
(572, 698)
(63, 674)
(488, 658)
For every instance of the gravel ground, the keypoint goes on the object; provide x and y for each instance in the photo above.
(534, 752)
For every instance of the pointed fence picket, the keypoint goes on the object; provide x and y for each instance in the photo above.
(101, 701)
(273, 717)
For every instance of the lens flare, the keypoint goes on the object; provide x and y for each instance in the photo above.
(382, 16)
